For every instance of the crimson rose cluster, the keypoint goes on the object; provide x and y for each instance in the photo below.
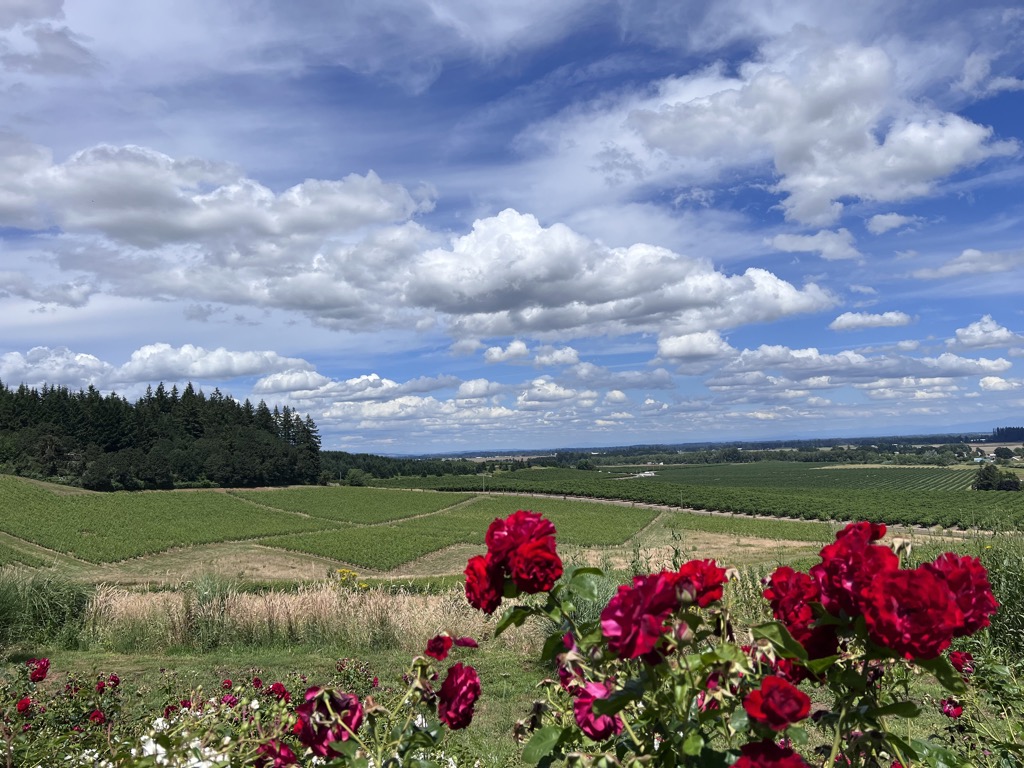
(914, 613)
(520, 558)
(660, 678)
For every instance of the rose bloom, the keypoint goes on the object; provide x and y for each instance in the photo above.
(534, 566)
(634, 619)
(37, 669)
(962, 661)
(226, 685)
(229, 699)
(848, 567)
(790, 594)
(438, 647)
(114, 680)
(278, 691)
(466, 642)
(597, 727)
(505, 536)
(704, 579)
(951, 708)
(327, 716)
(484, 583)
(768, 754)
(777, 704)
(968, 581)
(97, 717)
(457, 696)
(912, 612)
(275, 754)
(257, 683)
(24, 705)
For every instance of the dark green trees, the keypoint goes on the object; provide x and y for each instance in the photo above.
(164, 439)
(990, 478)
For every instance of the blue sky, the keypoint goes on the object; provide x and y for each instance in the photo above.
(444, 225)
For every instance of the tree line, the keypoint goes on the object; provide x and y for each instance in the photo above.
(165, 439)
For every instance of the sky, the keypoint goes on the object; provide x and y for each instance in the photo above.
(459, 225)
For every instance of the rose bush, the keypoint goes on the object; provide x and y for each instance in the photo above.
(661, 676)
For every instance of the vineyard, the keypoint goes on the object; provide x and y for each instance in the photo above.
(383, 528)
(109, 527)
(384, 547)
(893, 496)
(788, 475)
(353, 505)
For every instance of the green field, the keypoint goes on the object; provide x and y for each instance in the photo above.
(896, 496)
(383, 547)
(789, 474)
(103, 528)
(384, 528)
(353, 505)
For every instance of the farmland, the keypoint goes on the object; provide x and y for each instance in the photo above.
(900, 496)
(373, 529)
(429, 525)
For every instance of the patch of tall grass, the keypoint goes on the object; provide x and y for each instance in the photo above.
(41, 607)
(214, 614)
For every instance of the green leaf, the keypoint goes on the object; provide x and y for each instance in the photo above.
(739, 721)
(633, 690)
(777, 634)
(586, 585)
(541, 744)
(693, 744)
(944, 672)
(514, 617)
(897, 709)
(553, 646)
(817, 666)
(797, 734)
(589, 570)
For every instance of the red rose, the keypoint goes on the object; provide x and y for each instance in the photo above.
(466, 642)
(257, 683)
(438, 647)
(968, 581)
(274, 754)
(951, 708)
(635, 618)
(504, 536)
(597, 727)
(848, 567)
(278, 691)
(226, 685)
(864, 530)
(114, 680)
(768, 754)
(230, 699)
(777, 704)
(327, 716)
(458, 694)
(24, 705)
(37, 669)
(484, 583)
(97, 717)
(912, 612)
(703, 579)
(962, 661)
(534, 566)
(100, 686)
(790, 594)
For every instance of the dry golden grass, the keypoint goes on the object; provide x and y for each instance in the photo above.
(322, 612)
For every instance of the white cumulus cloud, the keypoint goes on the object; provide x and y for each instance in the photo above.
(851, 321)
